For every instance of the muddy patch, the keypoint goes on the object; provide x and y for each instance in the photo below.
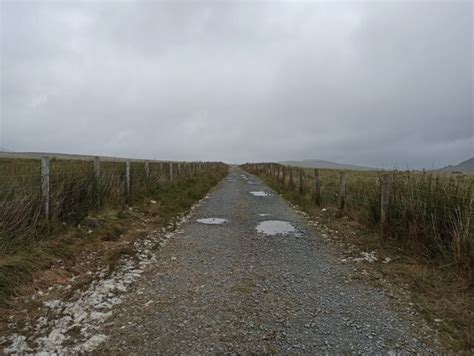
(212, 221)
(275, 227)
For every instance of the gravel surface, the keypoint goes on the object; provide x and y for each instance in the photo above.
(226, 288)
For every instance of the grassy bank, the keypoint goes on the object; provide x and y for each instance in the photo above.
(427, 231)
(74, 189)
(107, 232)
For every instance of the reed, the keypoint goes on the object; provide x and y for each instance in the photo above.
(427, 213)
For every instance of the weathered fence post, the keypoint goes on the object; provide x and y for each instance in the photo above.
(342, 192)
(147, 170)
(301, 181)
(45, 188)
(171, 171)
(291, 183)
(384, 199)
(127, 177)
(97, 179)
(146, 166)
(317, 188)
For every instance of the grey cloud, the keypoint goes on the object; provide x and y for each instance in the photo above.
(368, 83)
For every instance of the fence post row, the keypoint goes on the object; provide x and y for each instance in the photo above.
(45, 187)
(285, 176)
(184, 168)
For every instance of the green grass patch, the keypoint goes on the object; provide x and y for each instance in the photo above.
(99, 231)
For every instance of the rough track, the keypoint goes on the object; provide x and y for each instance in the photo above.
(228, 289)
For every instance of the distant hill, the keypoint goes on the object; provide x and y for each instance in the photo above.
(466, 166)
(3, 149)
(316, 163)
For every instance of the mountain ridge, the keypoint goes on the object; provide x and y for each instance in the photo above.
(466, 166)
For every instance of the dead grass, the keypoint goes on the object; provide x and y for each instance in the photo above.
(99, 239)
(438, 286)
(443, 295)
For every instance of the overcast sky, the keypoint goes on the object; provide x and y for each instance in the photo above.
(370, 83)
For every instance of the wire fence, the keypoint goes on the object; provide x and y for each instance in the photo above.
(36, 193)
(432, 210)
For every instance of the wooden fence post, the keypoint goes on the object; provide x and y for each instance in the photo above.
(384, 199)
(127, 177)
(146, 166)
(317, 188)
(147, 170)
(342, 192)
(301, 181)
(171, 171)
(291, 183)
(97, 179)
(45, 188)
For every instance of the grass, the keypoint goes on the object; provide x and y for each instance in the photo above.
(429, 214)
(78, 226)
(74, 193)
(429, 227)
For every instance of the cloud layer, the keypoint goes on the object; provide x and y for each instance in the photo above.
(378, 84)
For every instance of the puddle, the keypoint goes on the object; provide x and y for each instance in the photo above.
(275, 227)
(260, 193)
(264, 214)
(212, 221)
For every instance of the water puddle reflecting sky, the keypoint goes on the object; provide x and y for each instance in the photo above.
(275, 227)
(260, 193)
(212, 221)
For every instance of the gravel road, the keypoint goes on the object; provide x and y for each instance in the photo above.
(228, 288)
